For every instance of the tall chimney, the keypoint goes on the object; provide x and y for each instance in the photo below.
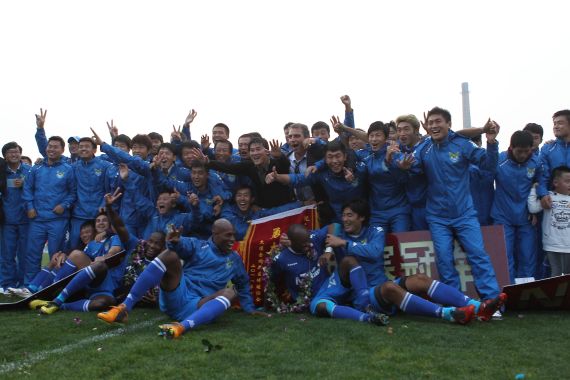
(465, 103)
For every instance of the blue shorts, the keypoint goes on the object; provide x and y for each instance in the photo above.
(334, 291)
(383, 307)
(180, 302)
(105, 288)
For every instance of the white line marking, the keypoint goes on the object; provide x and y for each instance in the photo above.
(42, 355)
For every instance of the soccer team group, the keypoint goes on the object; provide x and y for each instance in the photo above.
(177, 208)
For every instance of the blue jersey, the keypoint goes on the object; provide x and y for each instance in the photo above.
(14, 208)
(207, 270)
(48, 186)
(446, 166)
(367, 247)
(514, 181)
(552, 156)
(295, 267)
(92, 179)
(100, 248)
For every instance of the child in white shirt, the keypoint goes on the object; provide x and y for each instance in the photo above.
(556, 221)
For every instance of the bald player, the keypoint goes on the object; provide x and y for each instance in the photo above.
(193, 292)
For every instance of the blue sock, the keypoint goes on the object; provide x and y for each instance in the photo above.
(65, 270)
(345, 312)
(447, 295)
(148, 279)
(359, 284)
(81, 305)
(37, 281)
(49, 280)
(207, 313)
(80, 281)
(413, 304)
(475, 303)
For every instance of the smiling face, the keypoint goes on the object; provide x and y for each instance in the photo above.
(54, 150)
(199, 178)
(561, 127)
(438, 127)
(13, 156)
(351, 221)
(156, 143)
(140, 150)
(101, 223)
(87, 233)
(156, 244)
(122, 146)
(406, 133)
(164, 203)
(86, 150)
(166, 158)
(295, 139)
(73, 147)
(223, 235)
(258, 154)
(222, 151)
(376, 139)
(335, 160)
(219, 133)
(244, 199)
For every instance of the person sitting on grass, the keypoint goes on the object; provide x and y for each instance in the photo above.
(193, 292)
(57, 268)
(96, 278)
(361, 280)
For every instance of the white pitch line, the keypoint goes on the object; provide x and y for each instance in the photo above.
(42, 355)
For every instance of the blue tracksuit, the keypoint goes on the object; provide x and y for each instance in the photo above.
(387, 196)
(206, 270)
(15, 234)
(46, 187)
(335, 185)
(136, 164)
(449, 208)
(240, 221)
(514, 181)
(416, 192)
(481, 183)
(552, 156)
(93, 180)
(161, 223)
(136, 209)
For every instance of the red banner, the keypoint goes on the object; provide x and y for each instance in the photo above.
(263, 236)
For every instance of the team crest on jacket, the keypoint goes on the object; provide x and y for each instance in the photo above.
(98, 172)
(59, 174)
(229, 263)
(530, 172)
(454, 156)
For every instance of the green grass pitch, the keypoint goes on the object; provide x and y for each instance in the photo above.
(284, 346)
